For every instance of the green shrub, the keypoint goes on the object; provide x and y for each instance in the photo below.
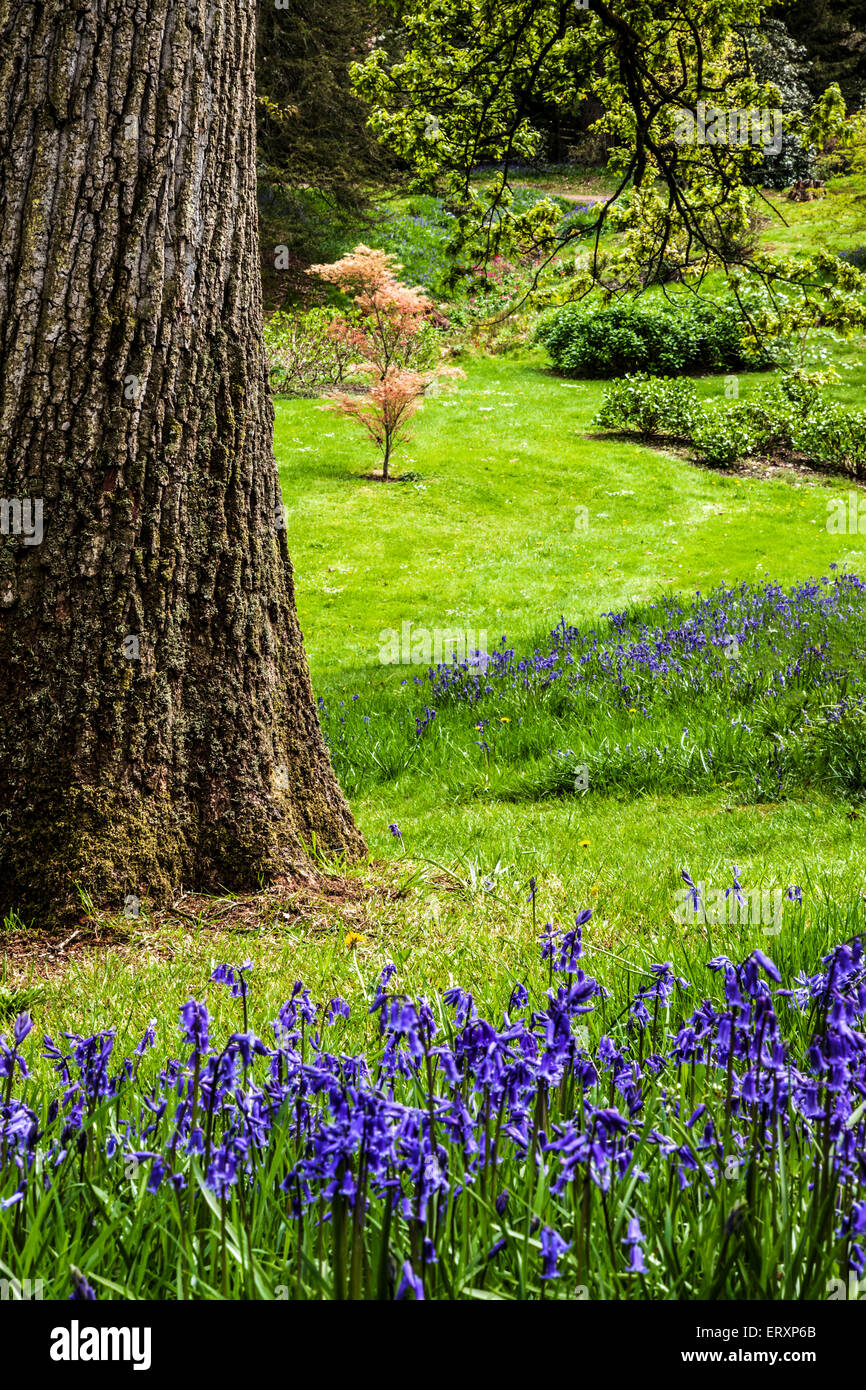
(776, 413)
(688, 337)
(771, 422)
(791, 414)
(650, 405)
(794, 415)
(723, 434)
(835, 437)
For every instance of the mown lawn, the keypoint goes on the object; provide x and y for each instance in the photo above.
(484, 537)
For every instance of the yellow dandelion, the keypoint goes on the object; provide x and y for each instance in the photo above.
(353, 939)
(584, 844)
(504, 719)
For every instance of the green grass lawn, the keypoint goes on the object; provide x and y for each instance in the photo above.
(484, 537)
(485, 533)
(832, 223)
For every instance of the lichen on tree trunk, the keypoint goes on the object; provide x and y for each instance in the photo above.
(157, 722)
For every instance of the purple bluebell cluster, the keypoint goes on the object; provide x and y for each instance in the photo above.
(682, 648)
(453, 1118)
(757, 683)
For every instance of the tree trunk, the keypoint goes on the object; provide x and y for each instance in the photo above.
(157, 722)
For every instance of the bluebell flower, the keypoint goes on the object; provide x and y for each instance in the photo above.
(337, 1008)
(634, 1239)
(519, 997)
(21, 1028)
(552, 1247)
(81, 1289)
(767, 965)
(233, 976)
(695, 894)
(736, 888)
(195, 1024)
(410, 1284)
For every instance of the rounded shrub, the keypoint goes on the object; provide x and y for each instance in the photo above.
(691, 336)
(650, 405)
(723, 434)
(834, 437)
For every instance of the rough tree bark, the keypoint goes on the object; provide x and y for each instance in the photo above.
(157, 722)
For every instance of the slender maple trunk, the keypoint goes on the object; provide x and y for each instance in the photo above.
(157, 722)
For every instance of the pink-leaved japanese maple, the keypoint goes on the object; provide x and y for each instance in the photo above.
(390, 333)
